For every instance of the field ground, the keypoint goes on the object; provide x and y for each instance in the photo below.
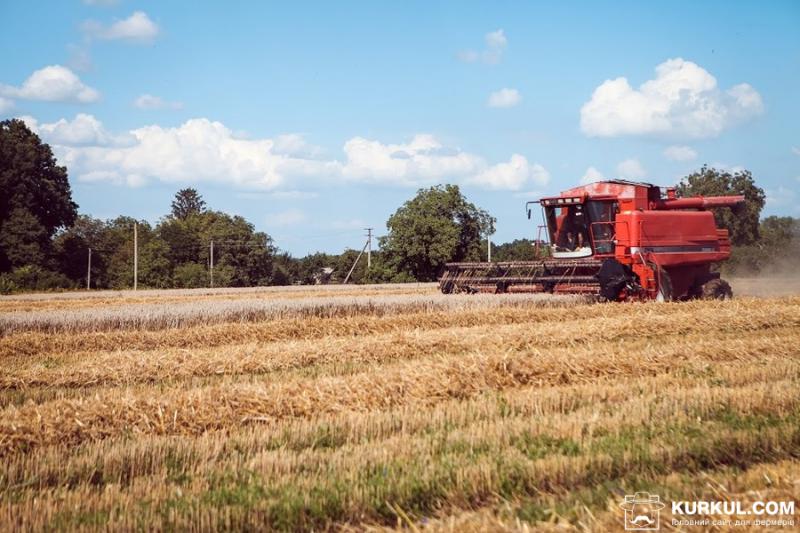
(353, 408)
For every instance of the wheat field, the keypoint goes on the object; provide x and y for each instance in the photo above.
(382, 407)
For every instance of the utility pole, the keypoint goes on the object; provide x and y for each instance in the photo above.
(489, 248)
(89, 272)
(355, 263)
(369, 247)
(135, 255)
(212, 263)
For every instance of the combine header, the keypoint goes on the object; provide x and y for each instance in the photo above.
(617, 239)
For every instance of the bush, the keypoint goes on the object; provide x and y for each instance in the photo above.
(33, 278)
(191, 276)
(7, 284)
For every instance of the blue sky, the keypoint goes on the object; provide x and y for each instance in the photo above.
(315, 120)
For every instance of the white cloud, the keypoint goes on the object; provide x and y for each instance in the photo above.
(53, 84)
(290, 217)
(425, 161)
(631, 169)
(29, 121)
(496, 40)
(295, 145)
(82, 130)
(496, 43)
(592, 175)
(201, 150)
(150, 102)
(680, 153)
(422, 161)
(197, 151)
(512, 175)
(504, 98)
(5, 104)
(138, 28)
(683, 101)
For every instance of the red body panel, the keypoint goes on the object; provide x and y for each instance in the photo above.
(659, 235)
(669, 238)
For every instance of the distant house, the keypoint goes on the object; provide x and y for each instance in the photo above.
(323, 276)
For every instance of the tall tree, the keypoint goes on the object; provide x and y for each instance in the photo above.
(187, 202)
(438, 225)
(35, 196)
(742, 221)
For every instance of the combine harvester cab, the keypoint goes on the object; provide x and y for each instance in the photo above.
(618, 240)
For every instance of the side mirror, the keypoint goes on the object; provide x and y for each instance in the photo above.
(529, 214)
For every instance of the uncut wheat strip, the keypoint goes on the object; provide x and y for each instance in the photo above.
(132, 366)
(112, 294)
(177, 315)
(18, 306)
(423, 382)
(555, 310)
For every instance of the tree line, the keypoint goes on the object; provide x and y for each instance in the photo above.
(45, 241)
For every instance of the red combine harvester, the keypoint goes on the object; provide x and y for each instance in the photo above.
(617, 239)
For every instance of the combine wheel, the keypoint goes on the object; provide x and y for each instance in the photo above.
(716, 289)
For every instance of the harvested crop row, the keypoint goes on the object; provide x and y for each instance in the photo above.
(328, 441)
(455, 468)
(416, 382)
(599, 510)
(563, 411)
(125, 367)
(747, 314)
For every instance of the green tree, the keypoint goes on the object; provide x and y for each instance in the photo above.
(191, 276)
(187, 202)
(35, 197)
(742, 222)
(516, 250)
(437, 226)
(780, 232)
(71, 247)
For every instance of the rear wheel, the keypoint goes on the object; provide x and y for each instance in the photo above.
(716, 289)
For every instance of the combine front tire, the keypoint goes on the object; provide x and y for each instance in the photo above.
(716, 289)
